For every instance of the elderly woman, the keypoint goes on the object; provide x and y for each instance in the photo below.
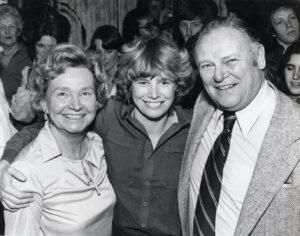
(290, 72)
(144, 134)
(14, 56)
(65, 166)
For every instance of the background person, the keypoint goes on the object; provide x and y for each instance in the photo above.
(14, 56)
(240, 173)
(290, 71)
(65, 165)
(42, 40)
(282, 31)
(107, 40)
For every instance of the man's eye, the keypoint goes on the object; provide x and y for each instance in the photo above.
(231, 61)
(278, 22)
(205, 66)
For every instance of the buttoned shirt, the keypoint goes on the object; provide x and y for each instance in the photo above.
(247, 137)
(144, 178)
(71, 197)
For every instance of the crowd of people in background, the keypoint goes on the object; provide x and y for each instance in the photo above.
(112, 139)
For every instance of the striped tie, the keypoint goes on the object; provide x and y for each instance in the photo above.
(211, 182)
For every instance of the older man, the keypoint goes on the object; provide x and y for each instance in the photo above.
(241, 177)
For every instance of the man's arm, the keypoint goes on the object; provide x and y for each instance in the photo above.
(13, 199)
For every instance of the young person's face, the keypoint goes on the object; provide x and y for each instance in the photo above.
(146, 27)
(110, 56)
(292, 74)
(44, 45)
(153, 97)
(286, 25)
(188, 28)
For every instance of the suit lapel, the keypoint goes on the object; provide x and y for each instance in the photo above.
(273, 167)
(203, 111)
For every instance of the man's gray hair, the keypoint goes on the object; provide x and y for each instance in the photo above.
(230, 22)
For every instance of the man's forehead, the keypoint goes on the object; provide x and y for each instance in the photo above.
(221, 35)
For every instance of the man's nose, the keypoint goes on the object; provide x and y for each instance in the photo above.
(219, 73)
(288, 24)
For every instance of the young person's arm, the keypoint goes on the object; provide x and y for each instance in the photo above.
(13, 199)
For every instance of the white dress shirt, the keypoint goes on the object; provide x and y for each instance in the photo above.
(247, 137)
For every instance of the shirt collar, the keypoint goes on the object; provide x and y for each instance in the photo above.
(247, 117)
(50, 149)
(250, 114)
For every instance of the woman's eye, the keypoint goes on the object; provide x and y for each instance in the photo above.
(289, 67)
(141, 82)
(62, 94)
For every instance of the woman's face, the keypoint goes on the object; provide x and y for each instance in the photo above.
(70, 101)
(292, 74)
(43, 46)
(286, 25)
(153, 98)
(110, 56)
(8, 31)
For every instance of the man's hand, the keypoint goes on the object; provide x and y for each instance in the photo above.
(12, 199)
(21, 108)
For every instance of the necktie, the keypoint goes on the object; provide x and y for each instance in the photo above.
(211, 182)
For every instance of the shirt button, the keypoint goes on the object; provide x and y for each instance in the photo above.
(143, 225)
(145, 204)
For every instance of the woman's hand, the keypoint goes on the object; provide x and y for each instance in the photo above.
(12, 199)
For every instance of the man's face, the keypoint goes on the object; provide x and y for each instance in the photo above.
(286, 25)
(230, 70)
(188, 28)
(146, 27)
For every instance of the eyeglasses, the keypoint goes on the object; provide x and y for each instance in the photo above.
(147, 26)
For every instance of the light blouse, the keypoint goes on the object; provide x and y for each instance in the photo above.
(71, 197)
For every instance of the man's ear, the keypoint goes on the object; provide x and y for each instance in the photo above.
(260, 57)
(44, 107)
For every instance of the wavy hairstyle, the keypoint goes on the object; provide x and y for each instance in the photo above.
(7, 10)
(56, 62)
(156, 56)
